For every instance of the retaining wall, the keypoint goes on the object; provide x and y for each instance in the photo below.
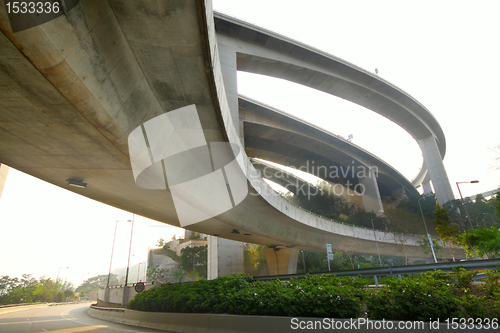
(222, 323)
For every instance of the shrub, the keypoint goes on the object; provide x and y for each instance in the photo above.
(319, 296)
(413, 298)
(425, 297)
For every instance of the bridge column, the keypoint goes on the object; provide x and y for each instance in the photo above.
(225, 257)
(426, 184)
(282, 261)
(229, 73)
(371, 196)
(437, 172)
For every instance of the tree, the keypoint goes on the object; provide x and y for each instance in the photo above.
(484, 242)
(156, 273)
(93, 283)
(178, 275)
(195, 235)
(348, 249)
(45, 289)
(160, 242)
(254, 258)
(28, 289)
(69, 295)
(447, 230)
(496, 203)
(426, 245)
(195, 258)
(400, 240)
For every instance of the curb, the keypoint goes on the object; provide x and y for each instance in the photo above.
(225, 323)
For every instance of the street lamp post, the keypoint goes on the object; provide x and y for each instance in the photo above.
(59, 271)
(427, 231)
(81, 280)
(462, 198)
(304, 262)
(492, 219)
(195, 257)
(129, 249)
(376, 241)
(138, 271)
(112, 249)
(466, 212)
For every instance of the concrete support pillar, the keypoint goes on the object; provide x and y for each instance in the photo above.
(107, 292)
(225, 257)
(127, 291)
(229, 74)
(426, 184)
(282, 261)
(436, 170)
(371, 196)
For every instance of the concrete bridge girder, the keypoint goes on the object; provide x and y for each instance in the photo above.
(263, 52)
(283, 130)
(75, 87)
(271, 135)
(295, 184)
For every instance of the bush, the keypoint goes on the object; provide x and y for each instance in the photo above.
(435, 295)
(413, 298)
(319, 296)
(196, 297)
(423, 297)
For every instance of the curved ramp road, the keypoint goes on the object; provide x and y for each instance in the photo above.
(71, 318)
(75, 88)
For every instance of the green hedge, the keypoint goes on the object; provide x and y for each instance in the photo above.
(318, 296)
(424, 297)
(434, 295)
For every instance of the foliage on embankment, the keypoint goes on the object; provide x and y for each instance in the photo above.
(424, 297)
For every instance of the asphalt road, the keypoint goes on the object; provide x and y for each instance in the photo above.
(71, 318)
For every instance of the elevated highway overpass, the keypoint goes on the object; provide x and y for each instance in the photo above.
(275, 136)
(74, 88)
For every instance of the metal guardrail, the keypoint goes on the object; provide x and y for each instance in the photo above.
(40, 303)
(394, 270)
(21, 304)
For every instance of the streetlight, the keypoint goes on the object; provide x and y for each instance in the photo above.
(376, 241)
(427, 231)
(81, 280)
(57, 279)
(303, 261)
(112, 249)
(492, 219)
(194, 260)
(129, 248)
(462, 198)
(138, 271)
(466, 212)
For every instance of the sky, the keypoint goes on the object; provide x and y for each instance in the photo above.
(443, 53)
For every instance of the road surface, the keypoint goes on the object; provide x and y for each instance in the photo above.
(71, 318)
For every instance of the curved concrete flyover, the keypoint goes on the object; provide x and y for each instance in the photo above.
(73, 89)
(296, 184)
(278, 137)
(261, 51)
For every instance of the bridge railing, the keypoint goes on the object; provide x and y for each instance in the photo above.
(350, 224)
(395, 270)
